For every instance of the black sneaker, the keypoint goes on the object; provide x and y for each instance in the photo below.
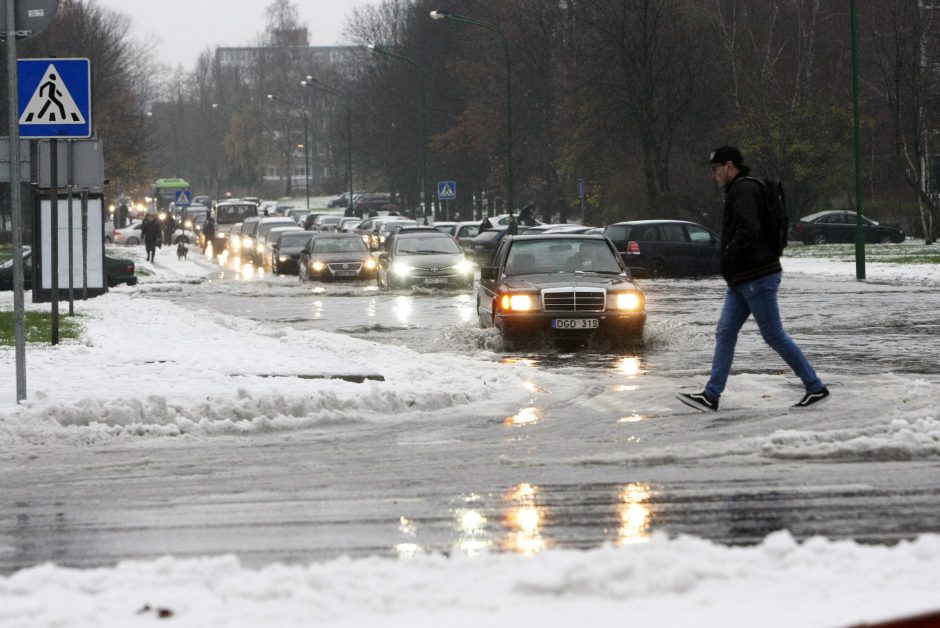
(699, 401)
(810, 399)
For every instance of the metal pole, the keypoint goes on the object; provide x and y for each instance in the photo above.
(68, 154)
(424, 124)
(349, 173)
(859, 233)
(54, 228)
(510, 172)
(84, 243)
(19, 320)
(306, 158)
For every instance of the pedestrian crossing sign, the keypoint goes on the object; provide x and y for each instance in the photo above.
(54, 98)
(184, 198)
(447, 190)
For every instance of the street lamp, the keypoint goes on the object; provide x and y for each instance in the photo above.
(445, 15)
(312, 82)
(303, 111)
(424, 123)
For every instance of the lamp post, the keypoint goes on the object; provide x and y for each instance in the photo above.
(272, 97)
(312, 82)
(859, 234)
(445, 15)
(425, 192)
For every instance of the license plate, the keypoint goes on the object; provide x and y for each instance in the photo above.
(574, 323)
(432, 280)
(345, 273)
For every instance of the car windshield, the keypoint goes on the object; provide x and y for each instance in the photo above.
(294, 239)
(554, 256)
(230, 214)
(427, 246)
(339, 245)
(266, 227)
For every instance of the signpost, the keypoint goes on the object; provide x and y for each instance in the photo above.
(581, 196)
(447, 191)
(20, 19)
(184, 198)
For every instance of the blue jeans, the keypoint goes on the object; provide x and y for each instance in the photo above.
(758, 297)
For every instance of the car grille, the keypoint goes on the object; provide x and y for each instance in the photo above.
(350, 266)
(434, 271)
(574, 300)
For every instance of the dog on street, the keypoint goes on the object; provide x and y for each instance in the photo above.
(182, 251)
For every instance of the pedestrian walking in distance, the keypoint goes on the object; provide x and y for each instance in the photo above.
(751, 267)
(150, 232)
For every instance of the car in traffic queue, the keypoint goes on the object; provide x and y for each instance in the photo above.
(484, 245)
(567, 287)
(116, 271)
(424, 258)
(286, 248)
(465, 232)
(332, 256)
(267, 244)
(348, 223)
(375, 230)
(835, 226)
(227, 215)
(261, 232)
(666, 248)
(445, 226)
(249, 229)
(327, 222)
(298, 214)
(233, 244)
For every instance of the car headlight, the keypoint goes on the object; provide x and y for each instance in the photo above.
(246, 243)
(236, 241)
(260, 248)
(401, 269)
(365, 238)
(464, 267)
(222, 235)
(629, 301)
(516, 303)
(381, 238)
(370, 264)
(188, 224)
(317, 266)
(283, 258)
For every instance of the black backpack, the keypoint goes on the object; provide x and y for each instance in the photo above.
(775, 222)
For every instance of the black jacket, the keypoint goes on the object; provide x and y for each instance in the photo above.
(744, 256)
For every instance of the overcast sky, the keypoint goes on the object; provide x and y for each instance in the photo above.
(187, 27)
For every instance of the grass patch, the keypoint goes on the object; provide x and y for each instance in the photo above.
(6, 252)
(907, 253)
(38, 328)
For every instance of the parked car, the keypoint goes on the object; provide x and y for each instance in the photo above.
(485, 244)
(227, 215)
(286, 249)
(666, 248)
(840, 226)
(332, 256)
(426, 259)
(116, 272)
(370, 204)
(131, 235)
(342, 200)
(569, 287)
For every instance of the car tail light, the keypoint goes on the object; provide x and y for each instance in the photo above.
(130, 269)
(633, 247)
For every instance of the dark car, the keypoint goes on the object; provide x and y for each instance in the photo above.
(330, 256)
(483, 246)
(424, 258)
(840, 226)
(116, 271)
(569, 287)
(286, 250)
(666, 248)
(372, 204)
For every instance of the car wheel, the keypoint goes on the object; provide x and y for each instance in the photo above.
(133, 241)
(885, 239)
(819, 238)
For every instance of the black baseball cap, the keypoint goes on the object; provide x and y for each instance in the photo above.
(724, 154)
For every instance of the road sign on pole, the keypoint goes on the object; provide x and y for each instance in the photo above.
(54, 98)
(447, 190)
(32, 17)
(184, 198)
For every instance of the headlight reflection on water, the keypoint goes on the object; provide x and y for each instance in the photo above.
(635, 514)
(524, 519)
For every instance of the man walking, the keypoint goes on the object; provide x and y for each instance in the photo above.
(751, 268)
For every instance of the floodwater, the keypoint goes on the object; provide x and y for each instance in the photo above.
(614, 462)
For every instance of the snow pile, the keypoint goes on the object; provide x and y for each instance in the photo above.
(899, 439)
(149, 367)
(666, 582)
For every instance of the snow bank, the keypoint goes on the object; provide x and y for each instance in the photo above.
(666, 582)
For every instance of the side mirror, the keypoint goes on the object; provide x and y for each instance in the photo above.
(489, 273)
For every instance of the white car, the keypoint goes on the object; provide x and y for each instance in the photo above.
(130, 235)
